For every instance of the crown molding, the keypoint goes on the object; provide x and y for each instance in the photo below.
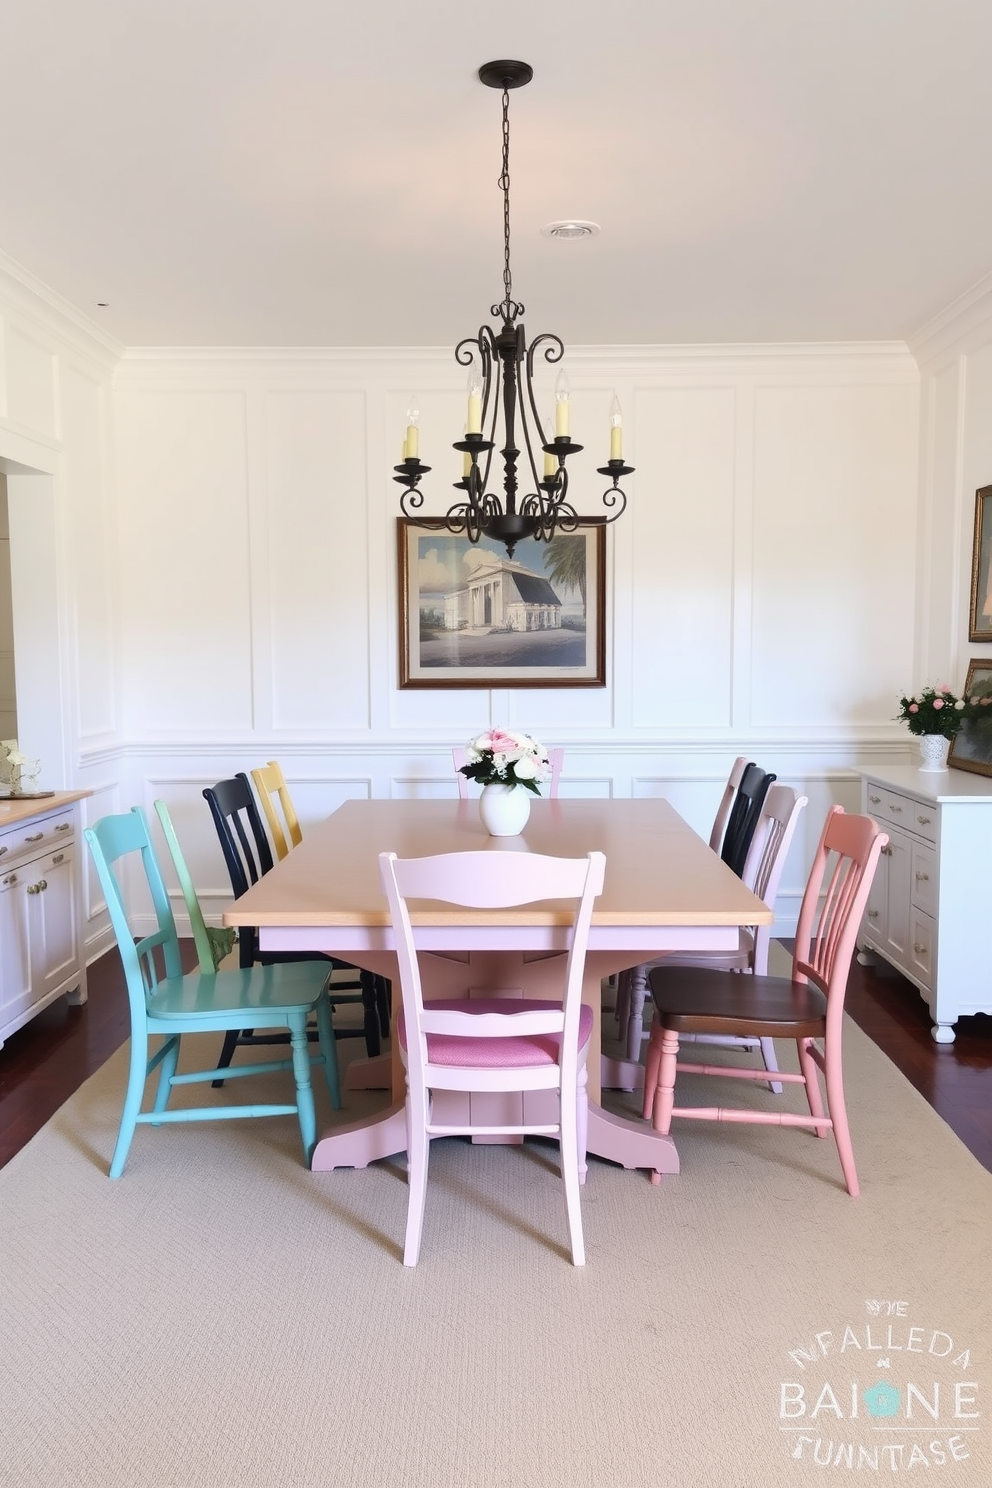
(946, 330)
(37, 300)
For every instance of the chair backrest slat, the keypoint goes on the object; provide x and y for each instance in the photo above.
(726, 802)
(113, 842)
(273, 793)
(744, 814)
(243, 842)
(833, 904)
(490, 880)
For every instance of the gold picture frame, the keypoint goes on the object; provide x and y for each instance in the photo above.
(980, 613)
(971, 747)
(469, 616)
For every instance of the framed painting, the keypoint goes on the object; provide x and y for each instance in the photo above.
(971, 747)
(472, 617)
(980, 618)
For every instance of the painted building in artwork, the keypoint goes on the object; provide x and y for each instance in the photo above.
(503, 595)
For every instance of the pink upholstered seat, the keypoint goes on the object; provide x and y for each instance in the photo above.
(493, 1067)
(512, 1052)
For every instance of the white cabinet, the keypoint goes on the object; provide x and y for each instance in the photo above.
(40, 947)
(929, 906)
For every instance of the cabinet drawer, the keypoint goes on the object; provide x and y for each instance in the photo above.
(923, 947)
(891, 808)
(923, 878)
(36, 836)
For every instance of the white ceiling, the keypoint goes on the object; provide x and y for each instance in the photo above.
(305, 172)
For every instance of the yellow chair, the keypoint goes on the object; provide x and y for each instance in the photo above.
(270, 785)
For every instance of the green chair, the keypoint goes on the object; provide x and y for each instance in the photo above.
(165, 1002)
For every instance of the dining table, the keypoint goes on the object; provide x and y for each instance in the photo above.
(665, 890)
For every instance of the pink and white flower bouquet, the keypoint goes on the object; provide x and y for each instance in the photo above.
(933, 710)
(503, 757)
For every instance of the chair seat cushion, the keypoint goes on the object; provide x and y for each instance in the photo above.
(518, 1052)
(696, 1000)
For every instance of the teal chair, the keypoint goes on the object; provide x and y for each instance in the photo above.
(165, 1002)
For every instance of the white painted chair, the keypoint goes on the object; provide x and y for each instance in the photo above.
(762, 874)
(556, 758)
(493, 1044)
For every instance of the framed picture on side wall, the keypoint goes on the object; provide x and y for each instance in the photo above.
(980, 619)
(470, 616)
(971, 747)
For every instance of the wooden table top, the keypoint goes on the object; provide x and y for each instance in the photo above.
(658, 870)
(14, 809)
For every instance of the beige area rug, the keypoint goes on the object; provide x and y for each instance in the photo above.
(221, 1318)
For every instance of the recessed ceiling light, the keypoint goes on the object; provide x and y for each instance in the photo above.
(572, 227)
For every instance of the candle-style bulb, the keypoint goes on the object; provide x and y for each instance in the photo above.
(616, 429)
(474, 384)
(466, 462)
(411, 449)
(550, 463)
(562, 393)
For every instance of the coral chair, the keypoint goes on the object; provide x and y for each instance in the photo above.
(248, 856)
(277, 804)
(735, 831)
(556, 758)
(808, 1007)
(492, 1044)
(163, 1001)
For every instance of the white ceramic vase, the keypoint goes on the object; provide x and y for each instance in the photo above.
(933, 751)
(504, 809)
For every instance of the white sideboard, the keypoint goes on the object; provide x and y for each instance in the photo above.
(40, 922)
(930, 905)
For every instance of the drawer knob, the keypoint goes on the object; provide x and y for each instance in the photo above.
(875, 800)
(924, 821)
(886, 852)
(58, 857)
(923, 878)
(920, 950)
(63, 827)
(34, 837)
(3, 850)
(873, 914)
(11, 878)
(896, 810)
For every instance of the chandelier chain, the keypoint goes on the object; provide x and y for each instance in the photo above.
(504, 182)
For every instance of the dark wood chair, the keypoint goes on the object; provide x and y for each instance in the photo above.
(249, 857)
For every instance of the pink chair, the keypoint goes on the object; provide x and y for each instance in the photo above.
(762, 874)
(809, 1007)
(556, 758)
(726, 802)
(493, 1044)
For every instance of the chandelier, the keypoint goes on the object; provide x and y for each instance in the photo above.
(500, 379)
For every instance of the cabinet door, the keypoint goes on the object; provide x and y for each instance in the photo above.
(874, 923)
(15, 948)
(52, 912)
(898, 880)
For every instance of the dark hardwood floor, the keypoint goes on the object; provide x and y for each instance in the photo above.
(46, 1061)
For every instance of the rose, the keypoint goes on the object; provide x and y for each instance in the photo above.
(914, 708)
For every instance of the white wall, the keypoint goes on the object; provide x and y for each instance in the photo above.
(955, 357)
(56, 453)
(204, 570)
(758, 597)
